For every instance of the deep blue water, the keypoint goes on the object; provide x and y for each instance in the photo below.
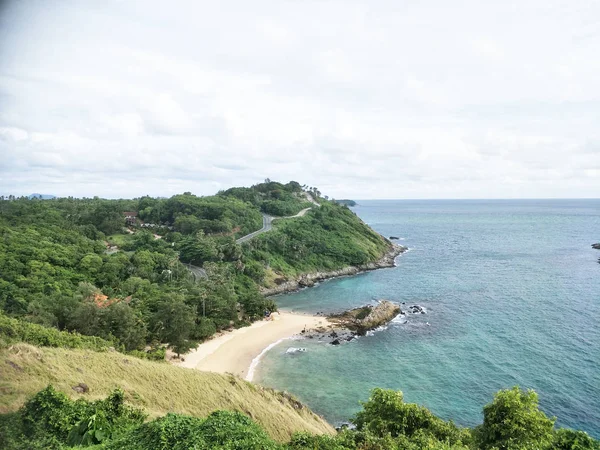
(512, 290)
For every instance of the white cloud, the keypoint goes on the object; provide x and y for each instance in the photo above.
(364, 99)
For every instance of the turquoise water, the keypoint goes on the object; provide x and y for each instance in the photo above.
(512, 292)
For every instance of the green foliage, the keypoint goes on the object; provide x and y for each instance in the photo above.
(386, 413)
(174, 321)
(173, 431)
(218, 214)
(117, 321)
(198, 249)
(272, 198)
(233, 431)
(50, 420)
(221, 430)
(327, 238)
(56, 270)
(15, 330)
(513, 421)
(565, 439)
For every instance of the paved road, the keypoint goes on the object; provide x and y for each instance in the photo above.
(197, 272)
(267, 225)
(267, 220)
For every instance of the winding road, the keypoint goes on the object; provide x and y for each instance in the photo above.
(267, 225)
(267, 220)
(199, 272)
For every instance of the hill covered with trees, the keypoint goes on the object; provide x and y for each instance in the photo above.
(116, 269)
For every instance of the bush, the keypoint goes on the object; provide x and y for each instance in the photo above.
(565, 439)
(173, 431)
(386, 413)
(16, 330)
(50, 417)
(234, 430)
(513, 421)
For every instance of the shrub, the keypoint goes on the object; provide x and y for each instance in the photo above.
(17, 330)
(386, 413)
(513, 421)
(565, 439)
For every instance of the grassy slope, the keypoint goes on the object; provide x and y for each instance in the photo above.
(158, 388)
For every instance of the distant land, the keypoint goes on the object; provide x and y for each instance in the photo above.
(42, 196)
(346, 202)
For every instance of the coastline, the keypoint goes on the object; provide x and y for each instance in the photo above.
(310, 279)
(239, 351)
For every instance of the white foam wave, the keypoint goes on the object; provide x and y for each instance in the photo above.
(256, 361)
(373, 331)
(400, 318)
(295, 350)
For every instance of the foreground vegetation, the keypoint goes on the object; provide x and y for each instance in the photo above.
(158, 388)
(51, 420)
(72, 265)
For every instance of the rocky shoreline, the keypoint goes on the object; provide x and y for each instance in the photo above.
(348, 325)
(310, 279)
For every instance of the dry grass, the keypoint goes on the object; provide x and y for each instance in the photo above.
(158, 388)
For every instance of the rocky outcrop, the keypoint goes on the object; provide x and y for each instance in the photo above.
(310, 279)
(596, 246)
(366, 318)
(346, 326)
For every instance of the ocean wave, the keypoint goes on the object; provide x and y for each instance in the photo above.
(295, 350)
(400, 318)
(256, 361)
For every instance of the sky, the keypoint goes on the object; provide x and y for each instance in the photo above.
(363, 99)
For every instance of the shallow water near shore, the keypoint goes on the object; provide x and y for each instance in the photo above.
(512, 293)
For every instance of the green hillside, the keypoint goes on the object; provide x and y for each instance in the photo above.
(115, 269)
(326, 238)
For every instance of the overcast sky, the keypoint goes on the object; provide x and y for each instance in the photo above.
(364, 99)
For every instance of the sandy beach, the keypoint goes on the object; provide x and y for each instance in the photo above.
(236, 351)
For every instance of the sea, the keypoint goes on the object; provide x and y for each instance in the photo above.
(510, 293)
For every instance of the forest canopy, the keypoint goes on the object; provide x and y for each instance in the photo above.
(119, 269)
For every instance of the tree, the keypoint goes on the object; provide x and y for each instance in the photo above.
(121, 321)
(386, 413)
(198, 249)
(174, 321)
(513, 421)
(565, 439)
(90, 264)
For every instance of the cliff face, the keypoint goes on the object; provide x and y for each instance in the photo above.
(309, 279)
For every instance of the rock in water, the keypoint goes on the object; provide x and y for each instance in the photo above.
(361, 320)
(596, 246)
